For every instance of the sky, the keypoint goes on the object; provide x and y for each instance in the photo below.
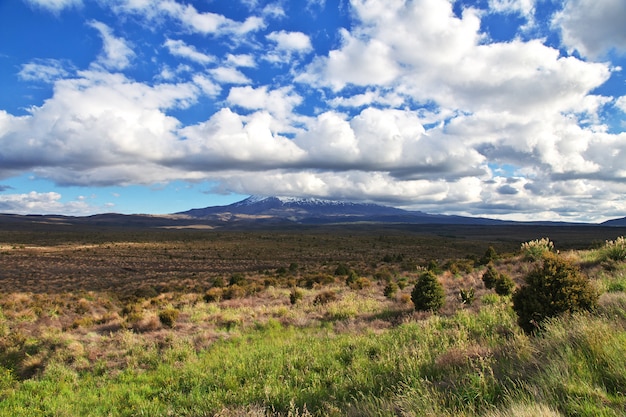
(509, 109)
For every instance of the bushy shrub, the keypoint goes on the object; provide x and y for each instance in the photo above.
(352, 278)
(324, 297)
(614, 250)
(361, 283)
(213, 294)
(237, 279)
(428, 293)
(489, 256)
(501, 283)
(504, 285)
(553, 288)
(342, 269)
(168, 317)
(390, 289)
(535, 250)
(295, 296)
(490, 276)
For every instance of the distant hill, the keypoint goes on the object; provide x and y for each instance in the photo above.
(318, 211)
(615, 222)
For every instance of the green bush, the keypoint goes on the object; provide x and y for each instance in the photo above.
(504, 285)
(428, 293)
(489, 256)
(390, 289)
(342, 269)
(324, 297)
(213, 295)
(168, 317)
(295, 296)
(490, 276)
(553, 288)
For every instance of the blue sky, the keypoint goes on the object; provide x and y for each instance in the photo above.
(512, 109)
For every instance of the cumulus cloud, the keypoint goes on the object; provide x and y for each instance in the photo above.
(593, 27)
(287, 45)
(95, 121)
(279, 103)
(414, 105)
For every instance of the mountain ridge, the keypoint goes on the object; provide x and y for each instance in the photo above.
(321, 211)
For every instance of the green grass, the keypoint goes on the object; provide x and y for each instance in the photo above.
(467, 364)
(361, 354)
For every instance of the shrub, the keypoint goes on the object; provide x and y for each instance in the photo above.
(237, 279)
(504, 285)
(213, 294)
(489, 256)
(428, 294)
(467, 295)
(324, 297)
(535, 250)
(551, 289)
(352, 278)
(490, 276)
(168, 317)
(295, 296)
(614, 250)
(390, 289)
(361, 283)
(342, 269)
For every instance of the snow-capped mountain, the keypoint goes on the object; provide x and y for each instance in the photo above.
(315, 211)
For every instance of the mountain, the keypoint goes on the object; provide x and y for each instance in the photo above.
(615, 222)
(318, 211)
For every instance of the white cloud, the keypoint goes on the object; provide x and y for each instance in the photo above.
(593, 27)
(44, 70)
(93, 126)
(181, 49)
(229, 141)
(523, 7)
(188, 16)
(280, 102)
(116, 54)
(207, 86)
(43, 203)
(55, 6)
(228, 75)
(286, 45)
(368, 98)
(241, 60)
(621, 103)
(291, 41)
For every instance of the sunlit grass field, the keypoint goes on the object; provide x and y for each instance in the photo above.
(193, 339)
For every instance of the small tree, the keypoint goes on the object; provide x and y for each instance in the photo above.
(428, 293)
(551, 289)
(504, 285)
(490, 276)
(489, 256)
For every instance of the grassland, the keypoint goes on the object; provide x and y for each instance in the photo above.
(97, 321)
